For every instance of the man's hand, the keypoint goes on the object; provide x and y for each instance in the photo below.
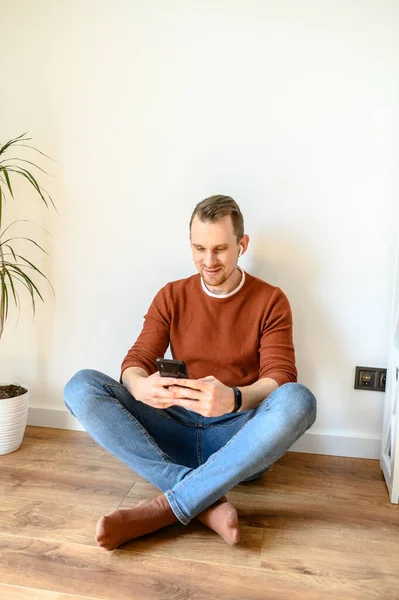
(151, 390)
(207, 396)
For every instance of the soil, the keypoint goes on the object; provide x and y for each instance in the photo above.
(11, 391)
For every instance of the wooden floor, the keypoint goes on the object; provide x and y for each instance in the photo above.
(314, 527)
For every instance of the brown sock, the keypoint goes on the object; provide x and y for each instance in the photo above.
(126, 524)
(222, 517)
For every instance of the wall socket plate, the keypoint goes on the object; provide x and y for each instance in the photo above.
(370, 378)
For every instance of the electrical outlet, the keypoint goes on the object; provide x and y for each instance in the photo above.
(369, 378)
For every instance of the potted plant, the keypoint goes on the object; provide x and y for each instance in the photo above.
(15, 273)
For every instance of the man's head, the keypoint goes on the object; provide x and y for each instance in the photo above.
(217, 240)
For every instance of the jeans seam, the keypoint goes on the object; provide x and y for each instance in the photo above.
(179, 514)
(209, 461)
(143, 430)
(117, 385)
(224, 424)
(199, 442)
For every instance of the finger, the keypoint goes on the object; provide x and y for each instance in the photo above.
(186, 403)
(162, 393)
(162, 405)
(194, 384)
(207, 378)
(163, 381)
(187, 393)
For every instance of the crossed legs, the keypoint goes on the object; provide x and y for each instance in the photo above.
(154, 443)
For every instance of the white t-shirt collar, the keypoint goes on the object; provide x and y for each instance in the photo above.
(237, 289)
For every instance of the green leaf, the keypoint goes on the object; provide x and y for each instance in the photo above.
(23, 221)
(29, 284)
(29, 280)
(35, 149)
(32, 266)
(25, 173)
(4, 296)
(16, 276)
(3, 170)
(12, 286)
(14, 141)
(14, 268)
(21, 160)
(12, 251)
(20, 237)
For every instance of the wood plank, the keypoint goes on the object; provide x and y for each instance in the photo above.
(194, 541)
(95, 468)
(324, 555)
(52, 433)
(67, 568)
(81, 488)
(13, 592)
(58, 449)
(357, 541)
(198, 543)
(271, 509)
(141, 490)
(313, 527)
(57, 453)
(327, 464)
(49, 520)
(322, 480)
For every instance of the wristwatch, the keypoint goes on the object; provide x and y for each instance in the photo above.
(237, 399)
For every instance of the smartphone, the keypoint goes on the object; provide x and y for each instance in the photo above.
(172, 368)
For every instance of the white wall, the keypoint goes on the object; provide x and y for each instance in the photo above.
(150, 106)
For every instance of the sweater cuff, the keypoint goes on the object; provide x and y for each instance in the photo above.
(280, 378)
(124, 367)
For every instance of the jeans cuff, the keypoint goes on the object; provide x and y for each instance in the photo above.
(182, 518)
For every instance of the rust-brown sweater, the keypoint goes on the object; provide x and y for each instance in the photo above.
(238, 339)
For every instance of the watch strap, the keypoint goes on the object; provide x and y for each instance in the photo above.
(237, 399)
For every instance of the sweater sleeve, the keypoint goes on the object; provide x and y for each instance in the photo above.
(153, 340)
(277, 354)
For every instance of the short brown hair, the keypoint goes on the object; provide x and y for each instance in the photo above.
(215, 207)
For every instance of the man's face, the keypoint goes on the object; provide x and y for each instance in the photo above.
(215, 252)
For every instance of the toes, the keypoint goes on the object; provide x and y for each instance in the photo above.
(143, 502)
(102, 536)
(234, 538)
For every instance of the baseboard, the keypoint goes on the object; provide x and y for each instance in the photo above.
(318, 442)
(312, 442)
(60, 418)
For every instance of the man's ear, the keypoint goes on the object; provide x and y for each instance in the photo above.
(244, 241)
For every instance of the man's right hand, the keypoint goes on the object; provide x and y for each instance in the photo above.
(150, 390)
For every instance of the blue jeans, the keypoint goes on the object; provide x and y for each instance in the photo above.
(193, 459)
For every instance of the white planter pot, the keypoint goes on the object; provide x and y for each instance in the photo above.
(13, 419)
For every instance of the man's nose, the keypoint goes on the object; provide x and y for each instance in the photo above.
(210, 258)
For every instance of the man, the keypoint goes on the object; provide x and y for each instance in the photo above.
(240, 410)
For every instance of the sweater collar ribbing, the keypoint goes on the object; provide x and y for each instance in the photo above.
(237, 289)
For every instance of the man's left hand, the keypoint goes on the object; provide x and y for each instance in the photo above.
(207, 396)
